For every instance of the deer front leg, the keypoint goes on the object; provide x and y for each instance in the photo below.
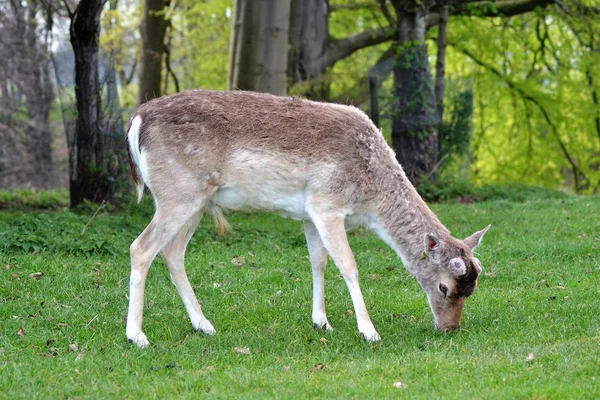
(333, 235)
(318, 261)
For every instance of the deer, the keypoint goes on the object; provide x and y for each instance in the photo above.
(321, 163)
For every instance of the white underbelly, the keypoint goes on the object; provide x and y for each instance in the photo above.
(289, 204)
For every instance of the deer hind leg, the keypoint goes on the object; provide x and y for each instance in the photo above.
(333, 235)
(174, 254)
(318, 261)
(168, 220)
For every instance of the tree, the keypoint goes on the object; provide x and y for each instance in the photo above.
(26, 88)
(313, 50)
(416, 115)
(414, 121)
(97, 171)
(154, 27)
(258, 47)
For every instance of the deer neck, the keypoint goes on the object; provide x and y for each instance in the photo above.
(402, 221)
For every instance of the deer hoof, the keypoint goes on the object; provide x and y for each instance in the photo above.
(325, 326)
(371, 337)
(206, 327)
(140, 340)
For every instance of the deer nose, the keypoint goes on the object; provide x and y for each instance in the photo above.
(447, 328)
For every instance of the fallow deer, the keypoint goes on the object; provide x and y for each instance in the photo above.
(325, 164)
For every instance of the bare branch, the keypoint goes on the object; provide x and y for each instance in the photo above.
(386, 12)
(70, 12)
(352, 6)
(169, 69)
(344, 47)
(506, 8)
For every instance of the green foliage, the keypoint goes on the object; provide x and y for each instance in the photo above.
(456, 129)
(533, 98)
(450, 189)
(63, 334)
(200, 43)
(64, 232)
(26, 199)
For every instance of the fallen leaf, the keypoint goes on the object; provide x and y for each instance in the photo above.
(319, 366)
(276, 248)
(36, 275)
(62, 325)
(80, 355)
(238, 262)
(21, 332)
(529, 357)
(73, 347)
(323, 340)
(400, 385)
(242, 350)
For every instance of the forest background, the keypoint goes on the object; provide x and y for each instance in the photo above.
(480, 92)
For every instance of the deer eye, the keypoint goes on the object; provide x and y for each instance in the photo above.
(444, 289)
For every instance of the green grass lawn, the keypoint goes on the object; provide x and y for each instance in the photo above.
(530, 331)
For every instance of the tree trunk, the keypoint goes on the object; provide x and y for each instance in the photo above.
(414, 120)
(154, 26)
(259, 46)
(308, 40)
(87, 181)
(39, 100)
(27, 89)
(440, 71)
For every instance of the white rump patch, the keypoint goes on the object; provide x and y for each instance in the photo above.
(133, 138)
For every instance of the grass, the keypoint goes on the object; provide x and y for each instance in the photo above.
(530, 331)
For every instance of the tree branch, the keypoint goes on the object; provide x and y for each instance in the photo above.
(353, 6)
(507, 8)
(169, 69)
(486, 8)
(386, 12)
(344, 47)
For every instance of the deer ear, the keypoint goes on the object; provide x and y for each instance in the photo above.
(432, 242)
(457, 267)
(475, 239)
(477, 264)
